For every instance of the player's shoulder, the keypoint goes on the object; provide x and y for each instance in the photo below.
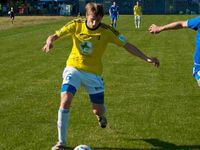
(76, 21)
(79, 20)
(109, 28)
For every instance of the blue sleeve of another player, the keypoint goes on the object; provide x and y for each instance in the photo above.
(194, 23)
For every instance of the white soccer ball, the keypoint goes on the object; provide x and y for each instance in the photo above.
(9, 13)
(82, 147)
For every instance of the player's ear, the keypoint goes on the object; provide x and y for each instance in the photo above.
(86, 16)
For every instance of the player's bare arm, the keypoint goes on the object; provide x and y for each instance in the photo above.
(174, 25)
(49, 43)
(135, 51)
(109, 12)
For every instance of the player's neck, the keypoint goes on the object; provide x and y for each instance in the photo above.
(95, 28)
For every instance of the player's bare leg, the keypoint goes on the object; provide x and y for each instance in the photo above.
(139, 21)
(111, 24)
(12, 20)
(115, 23)
(99, 111)
(135, 22)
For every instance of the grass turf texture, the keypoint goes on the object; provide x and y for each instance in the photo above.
(147, 108)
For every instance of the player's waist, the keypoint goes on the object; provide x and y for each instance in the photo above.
(91, 67)
(137, 14)
(114, 13)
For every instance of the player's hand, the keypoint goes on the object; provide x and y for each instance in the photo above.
(154, 29)
(154, 61)
(49, 43)
(47, 47)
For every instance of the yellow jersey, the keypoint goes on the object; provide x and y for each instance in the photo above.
(89, 44)
(137, 10)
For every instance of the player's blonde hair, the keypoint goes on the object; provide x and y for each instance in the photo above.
(95, 8)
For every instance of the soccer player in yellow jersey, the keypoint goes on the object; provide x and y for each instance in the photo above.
(84, 66)
(137, 9)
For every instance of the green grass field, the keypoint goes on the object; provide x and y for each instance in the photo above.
(147, 108)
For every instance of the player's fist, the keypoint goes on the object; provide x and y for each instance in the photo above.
(49, 43)
(47, 47)
(154, 29)
(154, 61)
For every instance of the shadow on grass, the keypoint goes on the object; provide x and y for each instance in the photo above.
(158, 144)
(166, 145)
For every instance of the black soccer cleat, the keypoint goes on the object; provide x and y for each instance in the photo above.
(102, 121)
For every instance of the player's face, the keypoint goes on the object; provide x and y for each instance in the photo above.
(92, 20)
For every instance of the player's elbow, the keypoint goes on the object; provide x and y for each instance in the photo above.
(183, 24)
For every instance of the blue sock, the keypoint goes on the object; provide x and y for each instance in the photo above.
(63, 117)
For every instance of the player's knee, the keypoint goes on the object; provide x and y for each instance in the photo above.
(66, 99)
(67, 93)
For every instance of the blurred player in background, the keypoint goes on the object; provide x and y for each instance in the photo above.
(193, 24)
(0, 9)
(137, 9)
(114, 14)
(11, 14)
(84, 65)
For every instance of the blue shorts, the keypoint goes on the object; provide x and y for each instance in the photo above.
(196, 71)
(113, 17)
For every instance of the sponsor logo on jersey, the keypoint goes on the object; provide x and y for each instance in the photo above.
(86, 47)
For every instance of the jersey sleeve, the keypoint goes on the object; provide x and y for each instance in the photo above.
(193, 23)
(68, 29)
(117, 38)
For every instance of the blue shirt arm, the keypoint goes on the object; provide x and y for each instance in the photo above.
(193, 23)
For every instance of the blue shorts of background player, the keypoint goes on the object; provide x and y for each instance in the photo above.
(113, 20)
(113, 17)
(196, 72)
